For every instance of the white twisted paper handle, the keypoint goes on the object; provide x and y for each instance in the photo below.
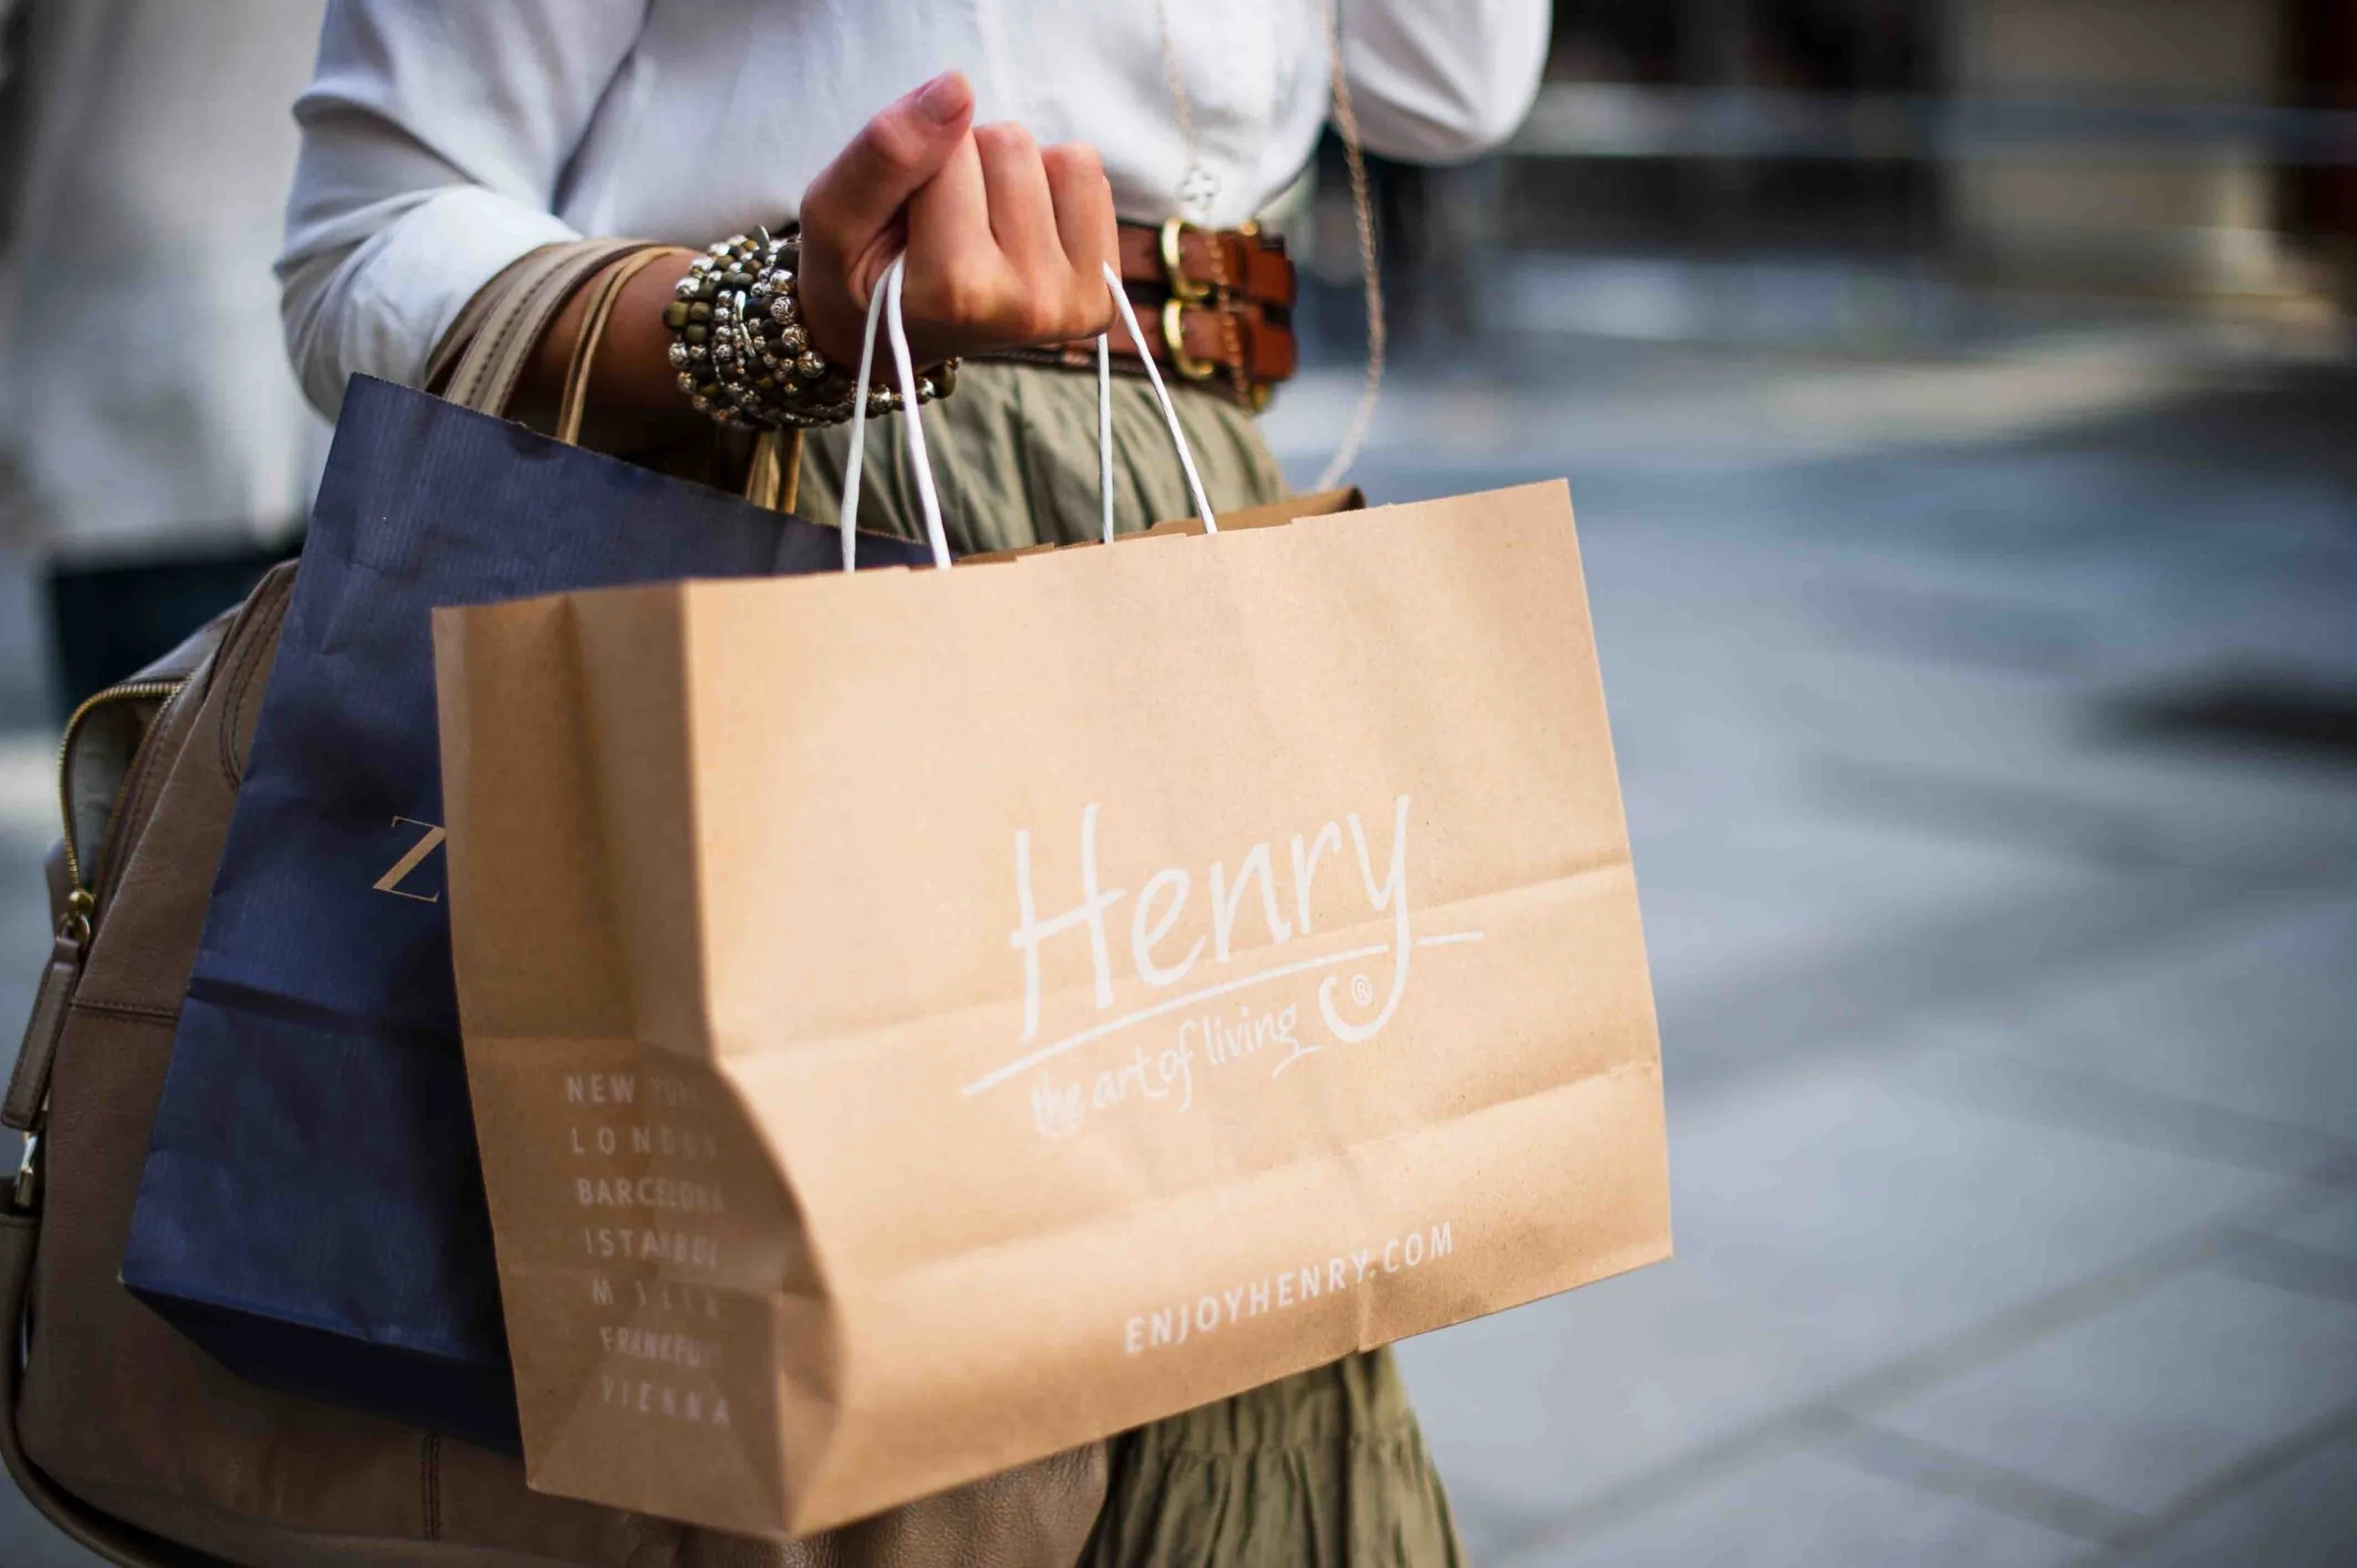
(885, 303)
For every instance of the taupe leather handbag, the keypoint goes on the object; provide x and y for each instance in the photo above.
(123, 1433)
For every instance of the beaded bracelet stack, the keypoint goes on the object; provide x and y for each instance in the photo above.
(742, 354)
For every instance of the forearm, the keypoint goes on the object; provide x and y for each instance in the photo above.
(634, 404)
(434, 139)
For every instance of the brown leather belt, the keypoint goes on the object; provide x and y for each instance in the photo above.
(1216, 305)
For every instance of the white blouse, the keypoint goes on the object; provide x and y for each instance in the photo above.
(443, 140)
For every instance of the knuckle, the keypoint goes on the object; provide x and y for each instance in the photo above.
(891, 143)
(820, 208)
(1040, 317)
(1005, 139)
(962, 298)
(1086, 310)
(1074, 160)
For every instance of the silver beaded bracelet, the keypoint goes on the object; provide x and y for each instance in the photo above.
(742, 353)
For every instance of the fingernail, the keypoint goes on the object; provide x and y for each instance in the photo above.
(945, 97)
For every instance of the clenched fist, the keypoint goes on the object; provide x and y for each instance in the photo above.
(1006, 240)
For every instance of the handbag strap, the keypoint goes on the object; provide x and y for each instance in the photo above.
(482, 359)
(610, 284)
(774, 478)
(484, 354)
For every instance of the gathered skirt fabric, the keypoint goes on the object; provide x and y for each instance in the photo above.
(1013, 454)
(1326, 1468)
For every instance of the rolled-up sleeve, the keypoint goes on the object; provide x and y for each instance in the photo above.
(1435, 81)
(434, 140)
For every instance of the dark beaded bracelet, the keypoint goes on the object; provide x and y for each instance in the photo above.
(742, 354)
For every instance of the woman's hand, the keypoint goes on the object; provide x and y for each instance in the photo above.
(1006, 245)
(1006, 240)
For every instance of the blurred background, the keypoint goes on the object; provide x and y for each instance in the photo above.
(1959, 405)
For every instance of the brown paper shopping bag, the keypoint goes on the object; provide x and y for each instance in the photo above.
(923, 1020)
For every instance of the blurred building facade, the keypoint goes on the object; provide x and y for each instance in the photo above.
(2197, 153)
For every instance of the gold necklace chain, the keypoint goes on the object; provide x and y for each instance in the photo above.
(1198, 188)
(1346, 125)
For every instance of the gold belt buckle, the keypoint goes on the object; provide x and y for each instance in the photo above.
(1174, 265)
(1174, 338)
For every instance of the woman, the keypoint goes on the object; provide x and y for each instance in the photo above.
(442, 142)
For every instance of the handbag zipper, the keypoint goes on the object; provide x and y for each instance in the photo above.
(129, 690)
(75, 926)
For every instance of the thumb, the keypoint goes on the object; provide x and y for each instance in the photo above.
(858, 196)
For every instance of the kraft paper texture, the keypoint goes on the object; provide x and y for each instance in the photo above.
(921, 1021)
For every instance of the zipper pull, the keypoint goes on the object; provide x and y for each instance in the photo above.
(28, 1086)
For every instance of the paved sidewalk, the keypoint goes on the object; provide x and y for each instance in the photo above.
(2006, 977)
(2006, 981)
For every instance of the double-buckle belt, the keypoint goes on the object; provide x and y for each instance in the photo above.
(1216, 306)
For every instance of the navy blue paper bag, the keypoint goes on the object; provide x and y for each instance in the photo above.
(311, 1211)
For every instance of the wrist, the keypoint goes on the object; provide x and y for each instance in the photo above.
(632, 404)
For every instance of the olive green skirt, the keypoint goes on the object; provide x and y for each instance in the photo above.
(1325, 1469)
(1015, 460)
